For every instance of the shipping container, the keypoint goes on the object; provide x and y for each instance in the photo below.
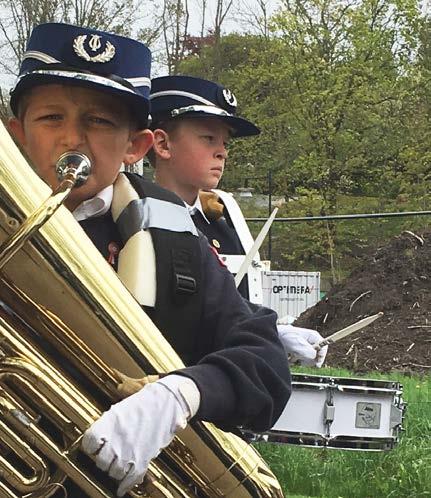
(290, 292)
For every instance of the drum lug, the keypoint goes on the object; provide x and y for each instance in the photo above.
(329, 407)
(396, 416)
(328, 413)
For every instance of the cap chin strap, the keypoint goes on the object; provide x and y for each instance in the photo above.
(93, 78)
(206, 109)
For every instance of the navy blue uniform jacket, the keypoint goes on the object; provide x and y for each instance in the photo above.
(243, 377)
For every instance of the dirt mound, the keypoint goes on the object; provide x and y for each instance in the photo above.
(397, 281)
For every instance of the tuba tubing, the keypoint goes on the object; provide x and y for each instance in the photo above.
(66, 324)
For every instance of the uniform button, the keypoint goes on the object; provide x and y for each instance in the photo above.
(216, 243)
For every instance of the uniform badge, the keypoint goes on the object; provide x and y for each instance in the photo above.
(217, 255)
(229, 97)
(95, 45)
(216, 243)
(113, 251)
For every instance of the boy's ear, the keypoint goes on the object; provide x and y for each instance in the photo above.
(140, 143)
(161, 144)
(16, 128)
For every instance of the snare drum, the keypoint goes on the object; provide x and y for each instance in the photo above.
(345, 413)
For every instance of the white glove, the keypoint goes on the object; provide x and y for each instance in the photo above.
(286, 320)
(298, 344)
(132, 432)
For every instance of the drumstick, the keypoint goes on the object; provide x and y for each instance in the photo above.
(336, 336)
(255, 248)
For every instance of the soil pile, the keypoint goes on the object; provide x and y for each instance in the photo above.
(397, 281)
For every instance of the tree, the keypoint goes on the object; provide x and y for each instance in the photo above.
(256, 18)
(20, 16)
(346, 61)
(175, 29)
(169, 32)
(222, 9)
(414, 176)
(331, 90)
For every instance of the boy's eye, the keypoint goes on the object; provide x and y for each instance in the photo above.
(50, 117)
(100, 120)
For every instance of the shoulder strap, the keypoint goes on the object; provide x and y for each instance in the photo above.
(179, 293)
(145, 188)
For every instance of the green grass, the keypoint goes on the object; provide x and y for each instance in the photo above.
(400, 473)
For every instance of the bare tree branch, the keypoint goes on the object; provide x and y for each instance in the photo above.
(255, 19)
(19, 17)
(221, 12)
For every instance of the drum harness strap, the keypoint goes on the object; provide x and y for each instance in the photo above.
(161, 262)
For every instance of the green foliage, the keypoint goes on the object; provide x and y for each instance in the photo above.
(402, 472)
(342, 94)
(305, 245)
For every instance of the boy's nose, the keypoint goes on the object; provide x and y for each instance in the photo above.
(221, 152)
(73, 134)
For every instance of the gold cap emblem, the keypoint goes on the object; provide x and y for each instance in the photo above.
(94, 44)
(216, 243)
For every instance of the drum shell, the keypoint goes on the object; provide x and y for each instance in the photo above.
(337, 412)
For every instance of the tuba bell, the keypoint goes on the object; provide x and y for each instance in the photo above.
(66, 325)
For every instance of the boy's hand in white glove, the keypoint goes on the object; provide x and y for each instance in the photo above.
(132, 432)
(299, 345)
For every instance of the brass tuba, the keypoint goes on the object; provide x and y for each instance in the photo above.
(66, 322)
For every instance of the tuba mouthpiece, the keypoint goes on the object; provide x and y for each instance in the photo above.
(73, 162)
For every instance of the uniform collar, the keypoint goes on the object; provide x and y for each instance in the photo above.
(97, 206)
(196, 206)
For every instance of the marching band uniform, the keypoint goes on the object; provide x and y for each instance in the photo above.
(197, 314)
(235, 373)
(218, 229)
(216, 225)
(176, 98)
